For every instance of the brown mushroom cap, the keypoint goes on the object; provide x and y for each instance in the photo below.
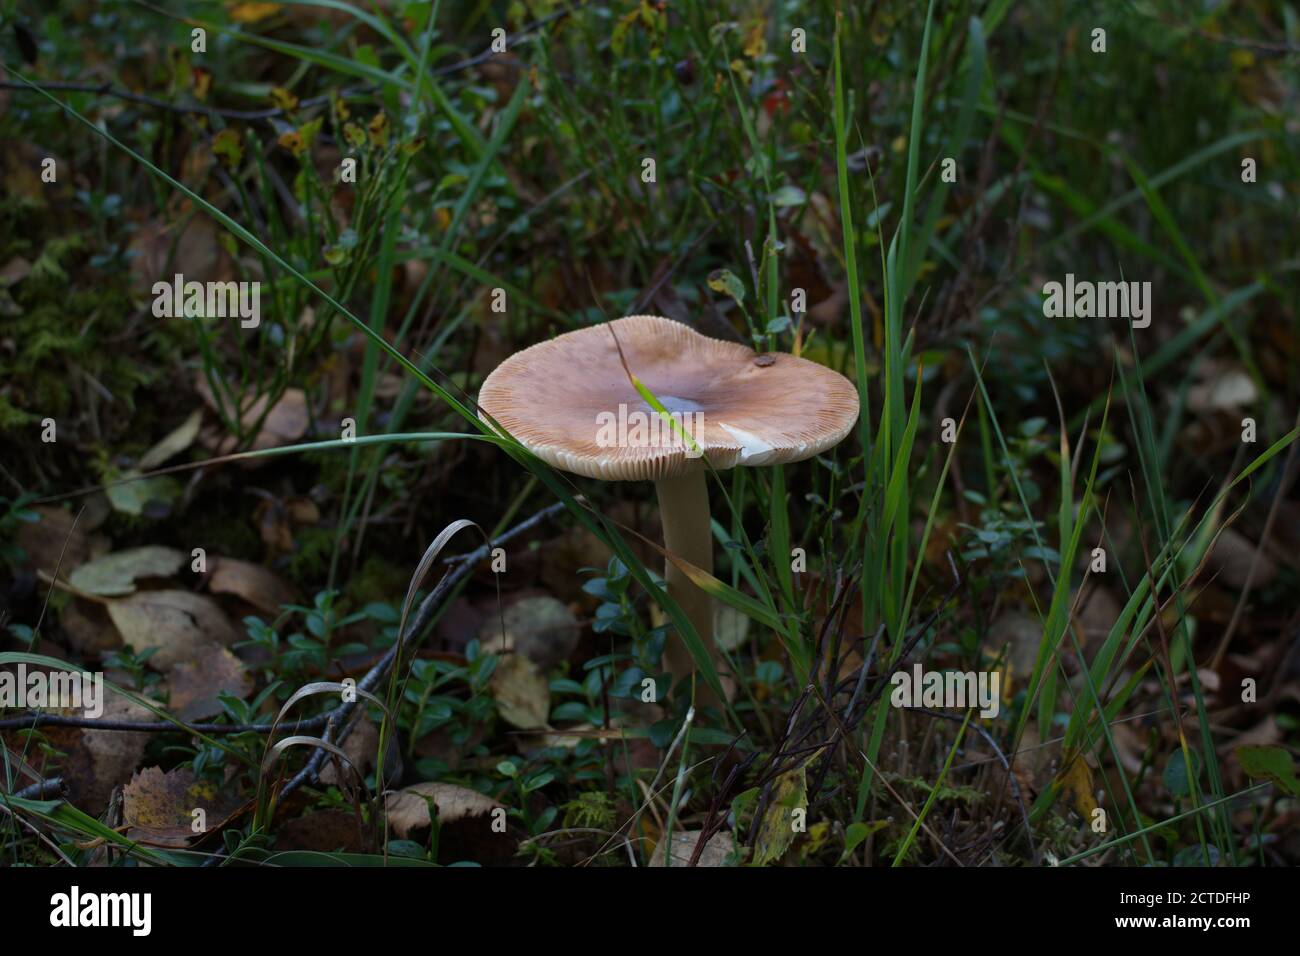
(757, 409)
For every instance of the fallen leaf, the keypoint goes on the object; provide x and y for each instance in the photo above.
(521, 691)
(260, 587)
(15, 271)
(408, 809)
(776, 831)
(324, 831)
(138, 494)
(730, 627)
(540, 628)
(1224, 390)
(101, 760)
(1076, 783)
(90, 632)
(157, 253)
(252, 12)
(176, 442)
(361, 746)
(284, 424)
(115, 574)
(44, 541)
(715, 852)
(1232, 557)
(180, 624)
(195, 684)
(161, 808)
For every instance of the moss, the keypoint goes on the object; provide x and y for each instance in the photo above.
(213, 530)
(309, 563)
(378, 580)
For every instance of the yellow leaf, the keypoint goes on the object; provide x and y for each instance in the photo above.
(283, 98)
(777, 830)
(1076, 782)
(378, 129)
(354, 134)
(200, 82)
(756, 39)
(299, 141)
(252, 12)
(227, 147)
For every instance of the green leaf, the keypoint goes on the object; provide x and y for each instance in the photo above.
(725, 281)
(1177, 777)
(1270, 763)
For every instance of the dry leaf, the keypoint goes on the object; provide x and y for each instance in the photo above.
(776, 831)
(44, 541)
(89, 630)
(361, 746)
(15, 271)
(160, 808)
(715, 852)
(195, 684)
(115, 574)
(540, 628)
(260, 587)
(285, 423)
(252, 12)
(178, 623)
(1232, 557)
(100, 760)
(197, 253)
(408, 811)
(1076, 783)
(521, 691)
(175, 442)
(1225, 390)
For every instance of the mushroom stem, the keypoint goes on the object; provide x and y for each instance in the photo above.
(684, 513)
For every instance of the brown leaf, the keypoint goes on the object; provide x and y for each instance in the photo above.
(44, 541)
(715, 852)
(284, 424)
(158, 255)
(361, 746)
(325, 831)
(160, 808)
(408, 811)
(541, 628)
(100, 760)
(90, 632)
(178, 623)
(259, 586)
(15, 271)
(195, 684)
(1232, 557)
(521, 691)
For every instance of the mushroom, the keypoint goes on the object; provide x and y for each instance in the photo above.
(572, 403)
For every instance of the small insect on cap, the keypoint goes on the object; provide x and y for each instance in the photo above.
(571, 402)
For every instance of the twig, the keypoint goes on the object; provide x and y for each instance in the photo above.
(53, 787)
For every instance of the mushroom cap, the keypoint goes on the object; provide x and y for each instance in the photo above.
(565, 400)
